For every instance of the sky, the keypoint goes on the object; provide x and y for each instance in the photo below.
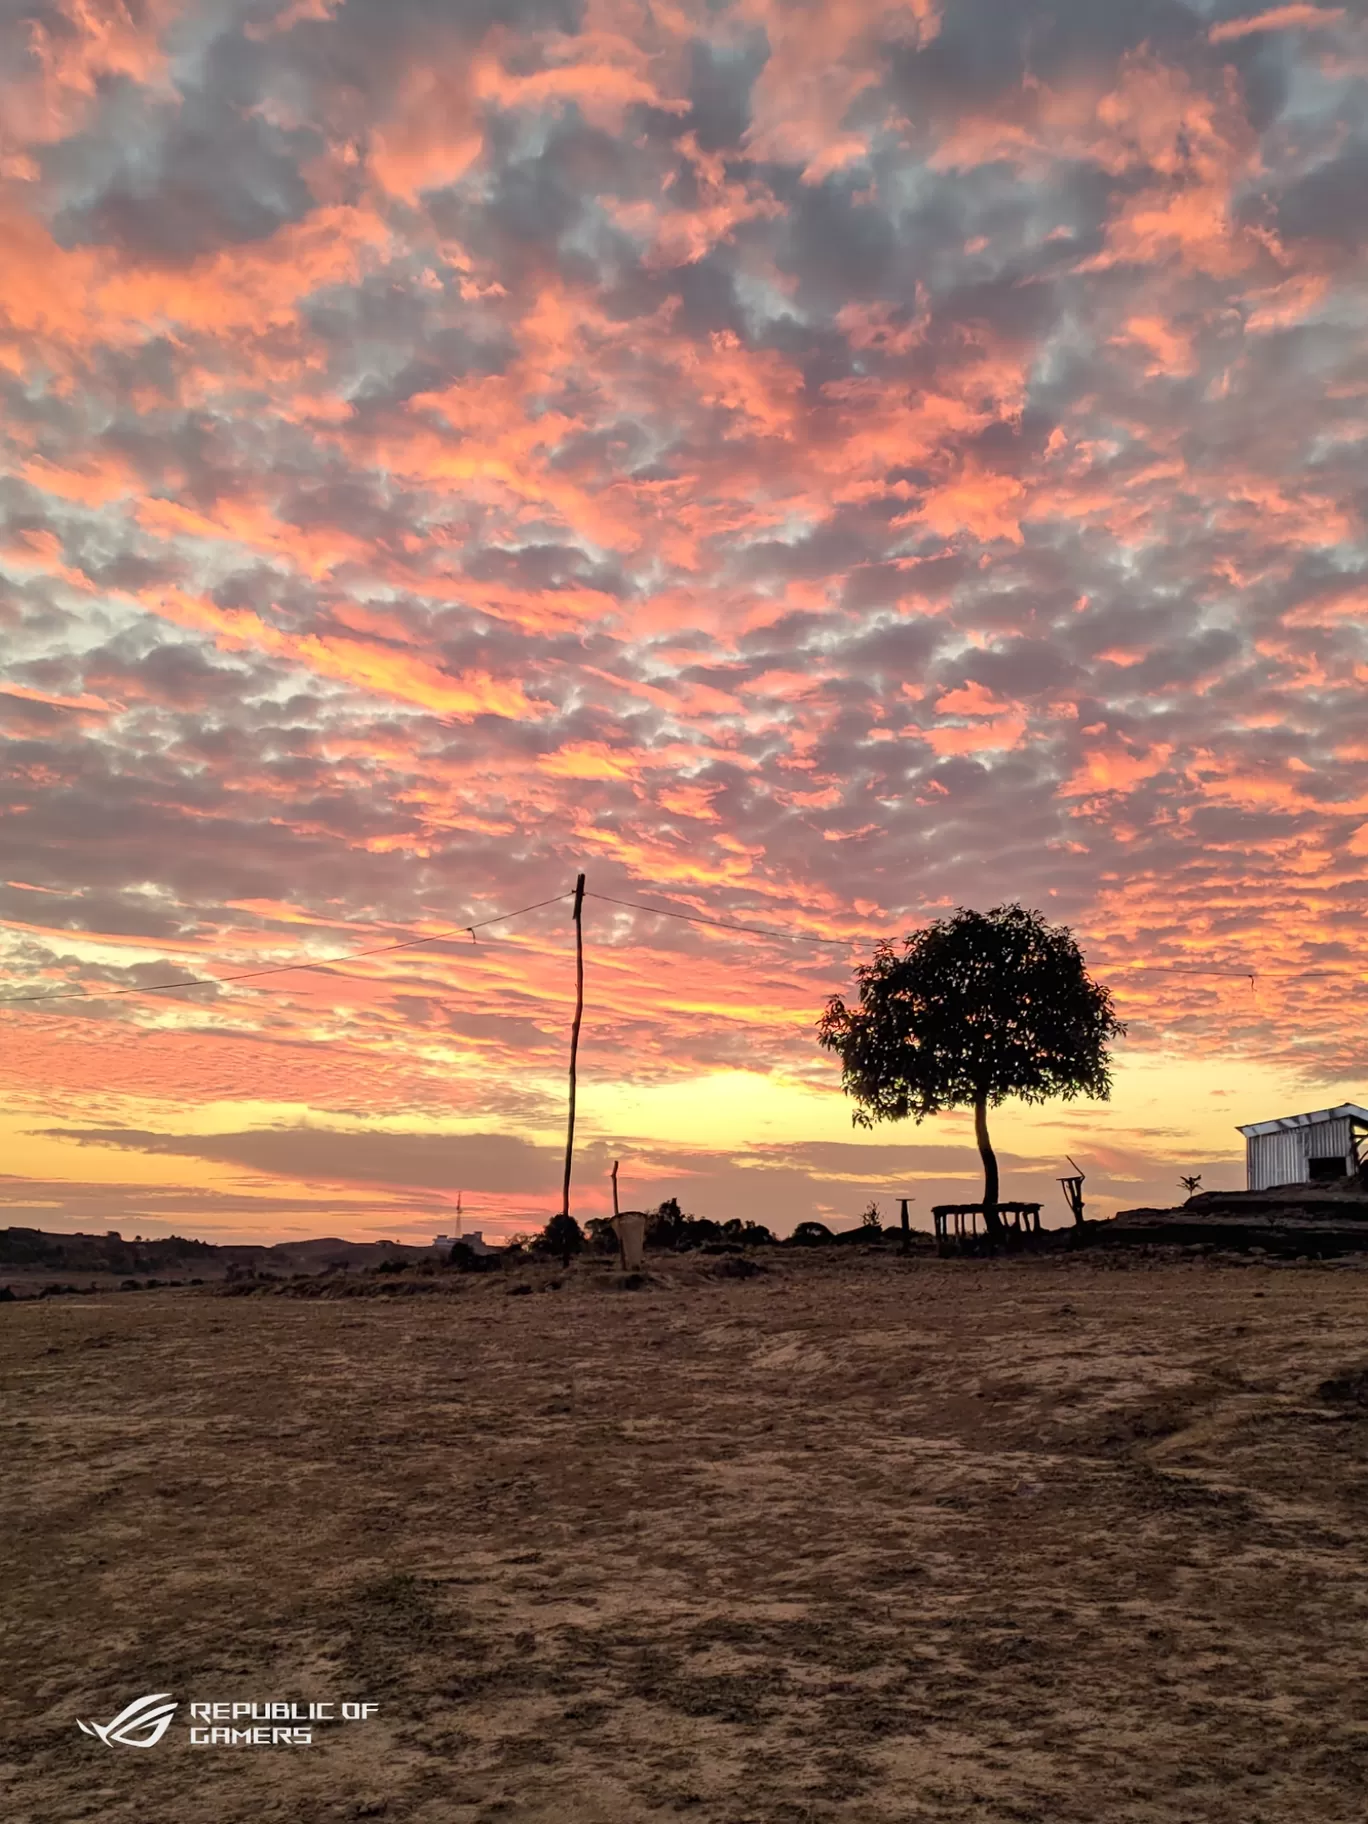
(809, 466)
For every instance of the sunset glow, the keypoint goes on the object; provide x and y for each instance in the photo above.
(804, 465)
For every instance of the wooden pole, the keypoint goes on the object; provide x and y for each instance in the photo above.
(622, 1245)
(906, 1225)
(1073, 1188)
(574, 1038)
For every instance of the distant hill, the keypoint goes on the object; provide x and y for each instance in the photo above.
(39, 1251)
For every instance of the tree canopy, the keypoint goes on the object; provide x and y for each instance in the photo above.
(973, 1009)
(563, 1236)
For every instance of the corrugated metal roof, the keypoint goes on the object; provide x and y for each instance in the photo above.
(1351, 1110)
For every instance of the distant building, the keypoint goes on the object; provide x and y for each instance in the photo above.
(473, 1239)
(1305, 1149)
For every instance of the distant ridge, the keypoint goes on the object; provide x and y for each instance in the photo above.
(42, 1251)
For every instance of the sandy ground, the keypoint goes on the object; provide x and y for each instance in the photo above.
(861, 1541)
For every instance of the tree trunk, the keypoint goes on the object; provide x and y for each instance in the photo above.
(991, 1220)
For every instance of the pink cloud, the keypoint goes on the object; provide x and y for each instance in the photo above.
(783, 460)
(1276, 19)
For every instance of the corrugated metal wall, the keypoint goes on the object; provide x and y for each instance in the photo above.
(1281, 1158)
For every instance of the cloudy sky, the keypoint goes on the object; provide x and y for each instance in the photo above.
(807, 465)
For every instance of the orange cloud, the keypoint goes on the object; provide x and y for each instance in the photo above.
(91, 46)
(1172, 349)
(970, 700)
(433, 136)
(402, 676)
(28, 695)
(1109, 767)
(689, 801)
(976, 502)
(588, 760)
(1276, 19)
(820, 64)
(996, 733)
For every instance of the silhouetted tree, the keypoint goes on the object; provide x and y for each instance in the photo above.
(665, 1224)
(977, 1007)
(669, 1226)
(563, 1236)
(600, 1235)
(749, 1234)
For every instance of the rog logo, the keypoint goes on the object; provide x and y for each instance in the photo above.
(141, 1725)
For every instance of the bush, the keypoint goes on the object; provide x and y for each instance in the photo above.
(811, 1235)
(563, 1237)
(673, 1228)
(749, 1234)
(667, 1225)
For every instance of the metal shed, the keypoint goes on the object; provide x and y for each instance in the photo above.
(1305, 1149)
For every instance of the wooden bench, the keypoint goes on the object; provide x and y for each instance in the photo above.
(1023, 1217)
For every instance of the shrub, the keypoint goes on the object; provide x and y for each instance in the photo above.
(673, 1228)
(562, 1236)
(811, 1235)
(749, 1234)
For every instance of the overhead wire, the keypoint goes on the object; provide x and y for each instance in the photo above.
(804, 937)
(634, 905)
(251, 975)
(718, 924)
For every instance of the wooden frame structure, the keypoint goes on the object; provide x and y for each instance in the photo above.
(1022, 1218)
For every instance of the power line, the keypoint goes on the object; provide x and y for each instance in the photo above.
(692, 918)
(251, 975)
(1246, 975)
(803, 937)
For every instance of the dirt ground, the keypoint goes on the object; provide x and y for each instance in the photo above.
(851, 1542)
